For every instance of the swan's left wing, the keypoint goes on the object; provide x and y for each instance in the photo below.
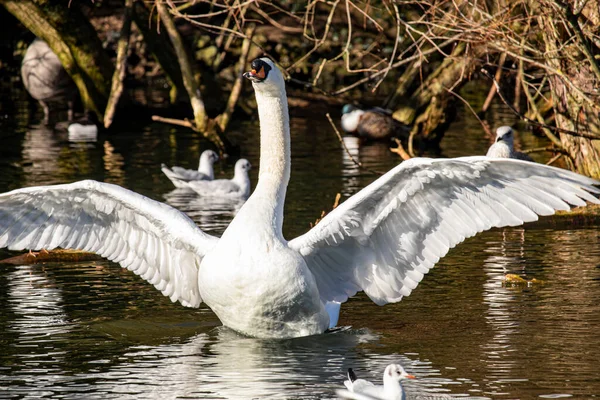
(386, 237)
(152, 239)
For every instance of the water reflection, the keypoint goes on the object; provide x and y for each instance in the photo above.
(37, 329)
(505, 256)
(98, 331)
(212, 214)
(221, 364)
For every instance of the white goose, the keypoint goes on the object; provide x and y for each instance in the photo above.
(381, 240)
(236, 188)
(180, 176)
(391, 390)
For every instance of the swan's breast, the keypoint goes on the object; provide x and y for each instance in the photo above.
(260, 287)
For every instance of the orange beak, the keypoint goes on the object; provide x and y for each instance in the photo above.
(410, 377)
(259, 74)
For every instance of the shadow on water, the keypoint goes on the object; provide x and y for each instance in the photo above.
(94, 330)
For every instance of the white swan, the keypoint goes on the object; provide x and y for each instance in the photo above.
(504, 146)
(391, 390)
(382, 240)
(180, 176)
(238, 187)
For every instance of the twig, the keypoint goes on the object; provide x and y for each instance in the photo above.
(573, 19)
(121, 65)
(236, 90)
(191, 86)
(357, 163)
(411, 140)
(484, 125)
(400, 150)
(179, 122)
(554, 159)
(531, 121)
(394, 65)
(492, 92)
(276, 24)
(552, 149)
(336, 202)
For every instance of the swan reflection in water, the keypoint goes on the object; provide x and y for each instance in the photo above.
(212, 214)
(215, 363)
(224, 364)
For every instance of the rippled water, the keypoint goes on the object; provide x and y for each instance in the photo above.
(93, 330)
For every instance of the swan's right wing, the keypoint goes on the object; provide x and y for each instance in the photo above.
(386, 237)
(152, 239)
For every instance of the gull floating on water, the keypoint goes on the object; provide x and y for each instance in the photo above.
(362, 389)
(504, 146)
(238, 187)
(382, 240)
(180, 176)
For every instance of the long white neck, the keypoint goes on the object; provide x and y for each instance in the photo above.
(274, 170)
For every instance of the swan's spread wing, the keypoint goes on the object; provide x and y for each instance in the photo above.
(386, 237)
(152, 239)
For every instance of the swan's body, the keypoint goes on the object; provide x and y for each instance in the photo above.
(181, 176)
(504, 146)
(238, 187)
(372, 124)
(391, 390)
(45, 78)
(381, 240)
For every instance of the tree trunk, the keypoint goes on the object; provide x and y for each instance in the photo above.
(121, 65)
(573, 109)
(159, 46)
(430, 109)
(73, 39)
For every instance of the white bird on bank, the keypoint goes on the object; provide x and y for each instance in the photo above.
(504, 146)
(238, 187)
(391, 390)
(382, 240)
(180, 176)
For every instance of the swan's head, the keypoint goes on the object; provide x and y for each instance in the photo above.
(266, 77)
(505, 134)
(351, 118)
(395, 372)
(209, 156)
(242, 166)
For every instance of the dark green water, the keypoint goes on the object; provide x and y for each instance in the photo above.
(93, 330)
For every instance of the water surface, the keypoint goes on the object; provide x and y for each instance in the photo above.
(94, 330)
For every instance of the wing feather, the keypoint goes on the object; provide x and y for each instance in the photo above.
(152, 239)
(384, 239)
